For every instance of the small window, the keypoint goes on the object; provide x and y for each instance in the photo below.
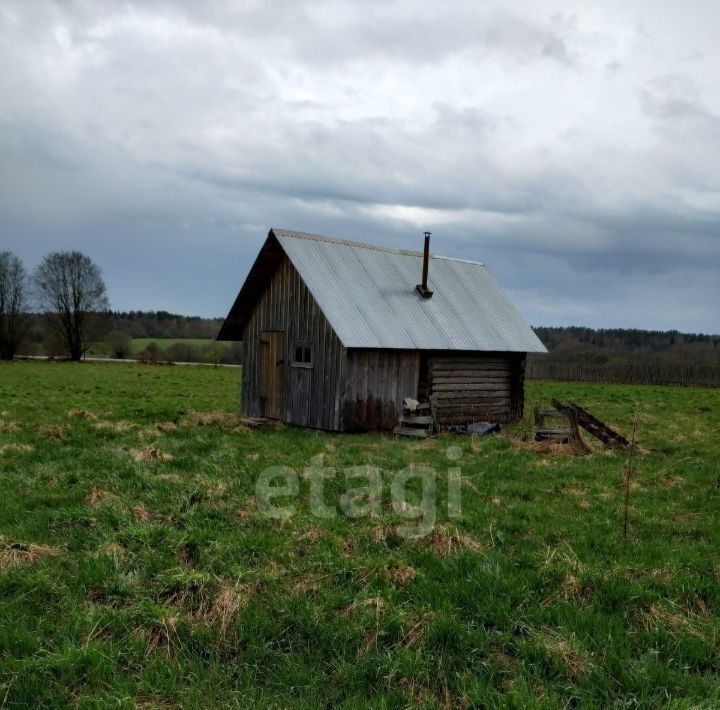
(303, 355)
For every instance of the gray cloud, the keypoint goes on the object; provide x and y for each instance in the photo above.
(572, 147)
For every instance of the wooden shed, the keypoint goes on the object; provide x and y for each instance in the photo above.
(337, 334)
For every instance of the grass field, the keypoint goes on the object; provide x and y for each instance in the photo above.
(136, 569)
(139, 344)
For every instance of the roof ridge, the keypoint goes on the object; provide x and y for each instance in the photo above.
(279, 231)
(457, 258)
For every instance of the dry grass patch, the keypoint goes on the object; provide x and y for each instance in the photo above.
(160, 636)
(83, 414)
(577, 491)
(399, 574)
(374, 603)
(112, 549)
(549, 447)
(311, 534)
(149, 455)
(9, 427)
(305, 585)
(228, 602)
(671, 481)
(98, 496)
(563, 558)
(206, 599)
(213, 489)
(505, 660)
(570, 590)
(423, 697)
(18, 554)
(166, 427)
(57, 432)
(216, 489)
(444, 542)
(415, 630)
(95, 496)
(674, 619)
(227, 421)
(18, 448)
(565, 650)
(120, 427)
(349, 545)
(140, 512)
(378, 534)
(248, 510)
(665, 573)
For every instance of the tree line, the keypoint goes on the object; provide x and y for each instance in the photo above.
(161, 324)
(62, 308)
(66, 287)
(619, 347)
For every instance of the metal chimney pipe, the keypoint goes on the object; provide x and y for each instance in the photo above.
(422, 288)
(426, 258)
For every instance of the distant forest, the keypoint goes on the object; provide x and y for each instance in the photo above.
(619, 347)
(161, 324)
(566, 344)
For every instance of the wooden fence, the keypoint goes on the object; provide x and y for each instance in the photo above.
(685, 375)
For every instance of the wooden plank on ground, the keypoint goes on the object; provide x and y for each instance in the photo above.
(592, 424)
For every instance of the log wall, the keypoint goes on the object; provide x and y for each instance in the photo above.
(468, 387)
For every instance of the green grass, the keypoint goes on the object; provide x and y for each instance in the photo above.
(131, 578)
(140, 344)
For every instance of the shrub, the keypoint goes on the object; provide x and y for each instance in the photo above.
(118, 344)
(184, 352)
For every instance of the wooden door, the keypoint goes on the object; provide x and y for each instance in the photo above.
(272, 370)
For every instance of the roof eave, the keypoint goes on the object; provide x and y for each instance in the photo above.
(263, 267)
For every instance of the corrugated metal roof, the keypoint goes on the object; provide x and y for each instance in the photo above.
(368, 295)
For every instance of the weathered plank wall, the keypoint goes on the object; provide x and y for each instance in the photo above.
(377, 382)
(311, 395)
(474, 386)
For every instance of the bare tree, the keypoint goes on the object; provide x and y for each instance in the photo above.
(13, 321)
(71, 289)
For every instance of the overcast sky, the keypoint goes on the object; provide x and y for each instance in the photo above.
(571, 145)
